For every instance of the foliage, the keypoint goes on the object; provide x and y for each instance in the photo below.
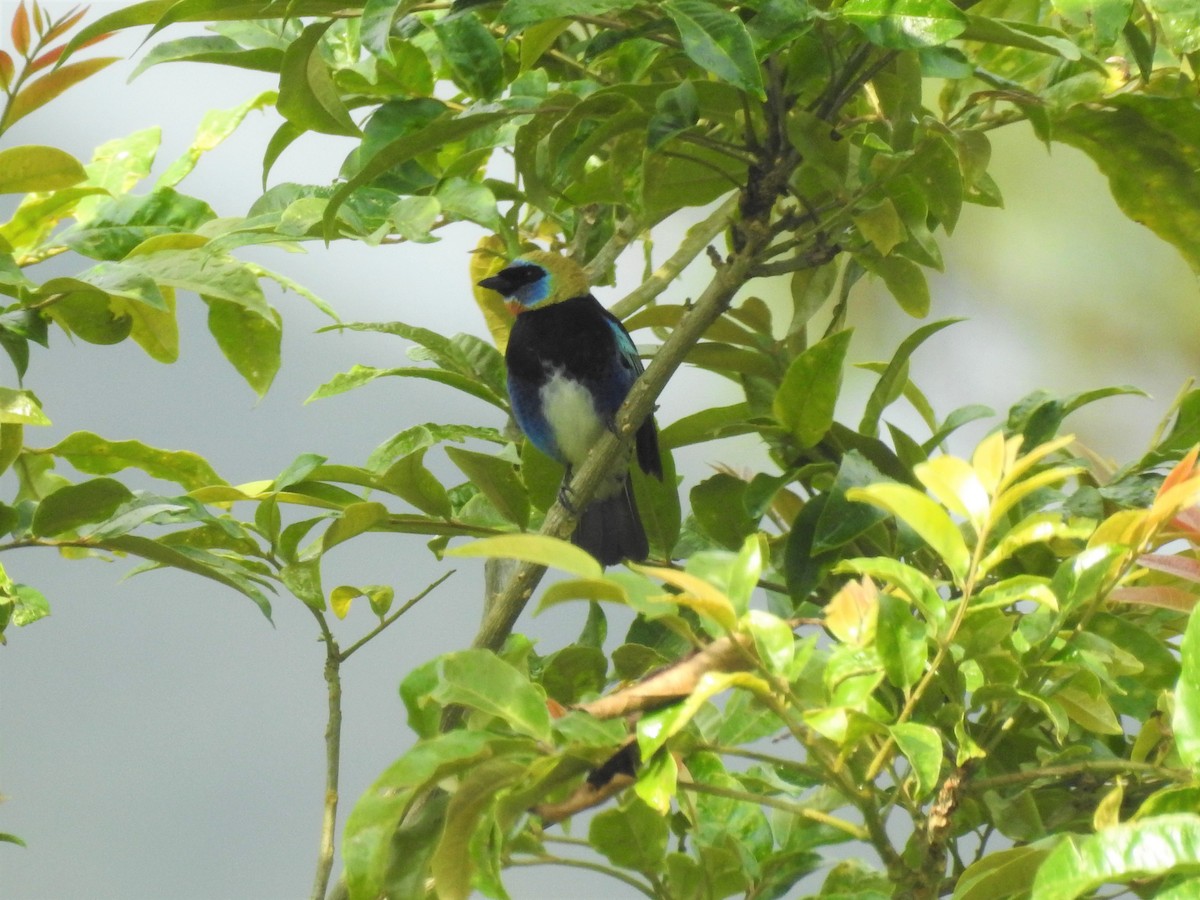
(968, 664)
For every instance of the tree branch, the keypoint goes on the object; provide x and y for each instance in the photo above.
(698, 237)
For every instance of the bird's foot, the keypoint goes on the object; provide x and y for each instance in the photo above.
(564, 497)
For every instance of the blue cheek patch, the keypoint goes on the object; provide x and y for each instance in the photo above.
(535, 293)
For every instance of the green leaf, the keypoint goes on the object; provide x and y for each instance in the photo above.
(905, 281)
(216, 126)
(480, 680)
(922, 747)
(355, 519)
(119, 225)
(1149, 149)
(161, 13)
(658, 503)
(29, 605)
(455, 862)
(1121, 853)
(900, 639)
(1003, 873)
(308, 97)
(373, 823)
(1025, 35)
(469, 201)
(841, 520)
(707, 425)
(188, 559)
(1186, 720)
(879, 224)
(37, 168)
(421, 436)
(718, 503)
(250, 340)
(906, 24)
(303, 578)
(154, 329)
(1180, 21)
(498, 480)
(774, 641)
(435, 135)
(409, 480)
(892, 381)
(805, 400)
(697, 178)
(473, 54)
(360, 375)
(573, 673)
(519, 14)
(716, 40)
(216, 49)
(97, 456)
(633, 837)
(78, 504)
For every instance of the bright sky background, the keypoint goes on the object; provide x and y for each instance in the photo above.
(160, 739)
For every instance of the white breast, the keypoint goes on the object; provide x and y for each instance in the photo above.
(572, 417)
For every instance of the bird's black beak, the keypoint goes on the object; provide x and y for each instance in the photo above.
(498, 283)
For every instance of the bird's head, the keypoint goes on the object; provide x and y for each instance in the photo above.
(538, 279)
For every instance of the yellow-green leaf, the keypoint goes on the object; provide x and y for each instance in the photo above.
(37, 168)
(923, 516)
(534, 548)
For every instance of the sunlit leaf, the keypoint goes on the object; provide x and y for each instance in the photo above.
(925, 517)
(851, 614)
(1135, 850)
(36, 168)
(534, 548)
(695, 594)
(922, 747)
(20, 408)
(906, 24)
(1186, 721)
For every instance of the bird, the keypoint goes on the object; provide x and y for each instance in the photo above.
(571, 363)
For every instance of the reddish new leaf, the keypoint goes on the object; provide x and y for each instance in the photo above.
(1161, 596)
(1180, 566)
(20, 29)
(46, 59)
(50, 85)
(65, 24)
(6, 70)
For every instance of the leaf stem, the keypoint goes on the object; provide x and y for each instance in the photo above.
(547, 859)
(858, 832)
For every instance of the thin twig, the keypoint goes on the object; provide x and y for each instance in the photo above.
(857, 832)
(333, 755)
(385, 622)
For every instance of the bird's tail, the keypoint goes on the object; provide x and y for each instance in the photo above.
(611, 530)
